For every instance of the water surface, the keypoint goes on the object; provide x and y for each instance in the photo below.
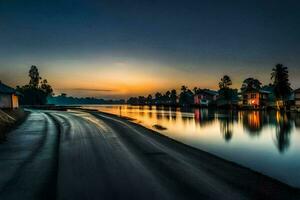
(267, 142)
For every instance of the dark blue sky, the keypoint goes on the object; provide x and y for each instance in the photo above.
(83, 47)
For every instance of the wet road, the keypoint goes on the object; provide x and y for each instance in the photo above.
(80, 155)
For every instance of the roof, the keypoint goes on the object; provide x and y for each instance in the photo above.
(212, 92)
(265, 91)
(6, 89)
(209, 92)
(297, 90)
(260, 91)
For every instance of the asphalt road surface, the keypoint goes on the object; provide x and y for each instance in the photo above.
(92, 155)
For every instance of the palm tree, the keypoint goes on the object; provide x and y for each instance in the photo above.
(282, 86)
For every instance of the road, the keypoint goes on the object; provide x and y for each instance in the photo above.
(92, 155)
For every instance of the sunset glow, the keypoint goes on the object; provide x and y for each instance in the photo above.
(115, 50)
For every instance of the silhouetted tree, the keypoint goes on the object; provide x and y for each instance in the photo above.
(47, 89)
(149, 99)
(195, 90)
(186, 96)
(34, 77)
(226, 94)
(36, 92)
(250, 84)
(225, 82)
(158, 98)
(198, 90)
(282, 86)
(132, 101)
(173, 97)
(166, 98)
(141, 100)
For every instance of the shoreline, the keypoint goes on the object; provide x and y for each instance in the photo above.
(173, 141)
(234, 108)
(114, 155)
(11, 119)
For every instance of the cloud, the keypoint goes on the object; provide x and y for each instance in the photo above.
(89, 90)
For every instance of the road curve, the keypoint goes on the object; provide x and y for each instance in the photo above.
(101, 156)
(28, 167)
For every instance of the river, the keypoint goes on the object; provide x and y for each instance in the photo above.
(267, 142)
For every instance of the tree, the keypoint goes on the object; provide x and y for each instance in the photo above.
(250, 84)
(184, 88)
(132, 101)
(47, 89)
(158, 98)
(36, 92)
(186, 96)
(149, 99)
(142, 100)
(225, 82)
(166, 97)
(34, 77)
(282, 86)
(195, 90)
(173, 97)
(226, 94)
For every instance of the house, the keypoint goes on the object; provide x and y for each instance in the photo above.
(205, 97)
(8, 97)
(297, 98)
(255, 98)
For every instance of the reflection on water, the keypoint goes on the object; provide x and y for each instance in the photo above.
(268, 142)
(283, 131)
(226, 127)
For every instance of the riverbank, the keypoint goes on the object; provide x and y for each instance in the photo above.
(10, 119)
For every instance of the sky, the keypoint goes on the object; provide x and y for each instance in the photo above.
(117, 48)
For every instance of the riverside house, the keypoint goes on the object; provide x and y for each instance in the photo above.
(8, 97)
(255, 98)
(297, 98)
(205, 97)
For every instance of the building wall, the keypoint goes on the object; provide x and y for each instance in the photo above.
(201, 100)
(297, 99)
(15, 101)
(252, 99)
(196, 100)
(5, 101)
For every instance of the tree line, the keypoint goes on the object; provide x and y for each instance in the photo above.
(279, 86)
(38, 90)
